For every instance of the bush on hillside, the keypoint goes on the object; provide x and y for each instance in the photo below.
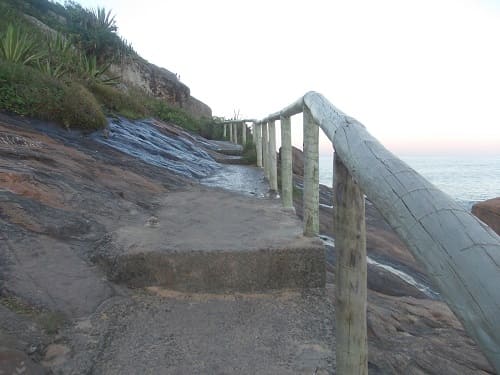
(80, 109)
(117, 101)
(29, 92)
(165, 112)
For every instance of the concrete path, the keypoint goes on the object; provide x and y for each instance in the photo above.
(162, 332)
(214, 241)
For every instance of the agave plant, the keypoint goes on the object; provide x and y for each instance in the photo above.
(60, 46)
(49, 68)
(93, 73)
(18, 47)
(105, 20)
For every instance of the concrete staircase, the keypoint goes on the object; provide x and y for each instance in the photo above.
(207, 240)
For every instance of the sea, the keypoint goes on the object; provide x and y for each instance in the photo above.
(466, 179)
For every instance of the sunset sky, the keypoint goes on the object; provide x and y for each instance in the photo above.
(422, 76)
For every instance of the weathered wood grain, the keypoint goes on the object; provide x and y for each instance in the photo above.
(273, 177)
(258, 142)
(265, 148)
(244, 134)
(350, 275)
(286, 163)
(460, 254)
(235, 132)
(310, 194)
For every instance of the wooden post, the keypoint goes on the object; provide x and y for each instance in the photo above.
(265, 160)
(258, 143)
(225, 131)
(244, 134)
(286, 163)
(350, 275)
(231, 138)
(235, 133)
(273, 178)
(311, 175)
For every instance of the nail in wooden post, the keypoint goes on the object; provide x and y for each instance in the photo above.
(265, 160)
(350, 247)
(311, 175)
(258, 143)
(273, 178)
(286, 163)
(244, 134)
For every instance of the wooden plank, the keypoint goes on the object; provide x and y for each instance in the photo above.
(273, 177)
(459, 253)
(286, 163)
(311, 175)
(235, 132)
(265, 160)
(258, 143)
(244, 134)
(350, 275)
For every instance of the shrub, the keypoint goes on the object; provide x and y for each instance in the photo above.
(18, 46)
(28, 92)
(249, 154)
(80, 109)
(119, 102)
(163, 111)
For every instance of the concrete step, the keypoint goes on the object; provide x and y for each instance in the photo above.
(207, 240)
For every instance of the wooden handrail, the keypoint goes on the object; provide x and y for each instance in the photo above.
(461, 255)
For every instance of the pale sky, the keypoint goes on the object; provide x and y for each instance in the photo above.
(422, 76)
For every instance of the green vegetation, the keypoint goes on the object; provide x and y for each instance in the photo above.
(249, 154)
(17, 47)
(25, 91)
(54, 65)
(49, 321)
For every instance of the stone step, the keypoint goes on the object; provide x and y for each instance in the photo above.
(206, 240)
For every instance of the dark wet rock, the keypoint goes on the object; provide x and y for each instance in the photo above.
(489, 212)
(143, 140)
(244, 179)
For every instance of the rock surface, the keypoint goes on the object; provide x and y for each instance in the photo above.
(62, 194)
(489, 212)
(160, 83)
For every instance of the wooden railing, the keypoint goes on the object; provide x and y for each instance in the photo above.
(460, 254)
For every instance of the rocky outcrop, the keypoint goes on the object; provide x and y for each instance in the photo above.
(197, 108)
(160, 83)
(489, 212)
(153, 80)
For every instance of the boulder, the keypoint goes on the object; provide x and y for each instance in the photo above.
(297, 161)
(489, 212)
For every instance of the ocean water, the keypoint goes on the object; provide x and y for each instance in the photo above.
(466, 179)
